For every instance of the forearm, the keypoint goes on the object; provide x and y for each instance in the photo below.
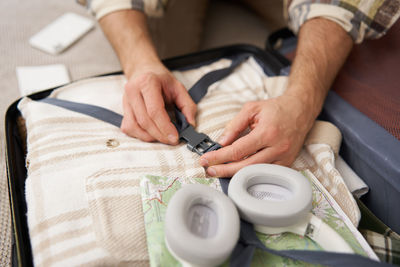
(128, 34)
(150, 85)
(323, 47)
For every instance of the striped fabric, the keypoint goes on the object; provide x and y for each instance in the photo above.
(362, 19)
(82, 190)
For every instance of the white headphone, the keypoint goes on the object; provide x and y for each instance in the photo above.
(202, 224)
(277, 199)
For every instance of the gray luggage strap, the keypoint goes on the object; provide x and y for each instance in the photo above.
(201, 143)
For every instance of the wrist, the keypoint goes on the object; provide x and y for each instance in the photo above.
(139, 56)
(303, 107)
(128, 33)
(139, 64)
(310, 97)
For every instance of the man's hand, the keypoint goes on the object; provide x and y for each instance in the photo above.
(150, 85)
(146, 94)
(277, 127)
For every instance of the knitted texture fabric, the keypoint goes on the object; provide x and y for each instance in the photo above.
(82, 189)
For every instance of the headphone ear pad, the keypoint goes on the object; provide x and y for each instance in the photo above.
(202, 225)
(285, 210)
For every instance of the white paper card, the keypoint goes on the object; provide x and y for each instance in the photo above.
(61, 33)
(32, 79)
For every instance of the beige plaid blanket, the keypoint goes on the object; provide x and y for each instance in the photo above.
(82, 189)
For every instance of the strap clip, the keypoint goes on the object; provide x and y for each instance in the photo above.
(198, 142)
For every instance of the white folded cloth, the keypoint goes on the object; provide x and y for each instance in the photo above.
(355, 184)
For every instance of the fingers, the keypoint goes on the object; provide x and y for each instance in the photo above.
(145, 116)
(129, 125)
(238, 124)
(156, 113)
(184, 102)
(241, 148)
(247, 150)
(266, 155)
(273, 138)
(144, 120)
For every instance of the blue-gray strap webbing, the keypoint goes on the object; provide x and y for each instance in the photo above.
(248, 241)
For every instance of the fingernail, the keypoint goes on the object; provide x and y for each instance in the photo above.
(222, 139)
(211, 172)
(203, 162)
(172, 138)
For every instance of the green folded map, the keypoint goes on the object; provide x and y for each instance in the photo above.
(157, 191)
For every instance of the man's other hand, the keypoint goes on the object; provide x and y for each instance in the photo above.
(277, 129)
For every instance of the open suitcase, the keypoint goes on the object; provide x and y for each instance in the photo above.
(22, 255)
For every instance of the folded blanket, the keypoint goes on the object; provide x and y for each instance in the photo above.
(82, 189)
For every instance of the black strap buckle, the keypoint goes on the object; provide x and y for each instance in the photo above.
(198, 142)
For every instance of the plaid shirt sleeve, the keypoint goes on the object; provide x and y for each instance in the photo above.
(362, 19)
(100, 8)
(386, 245)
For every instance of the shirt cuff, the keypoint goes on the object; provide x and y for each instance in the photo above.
(361, 20)
(100, 8)
(300, 13)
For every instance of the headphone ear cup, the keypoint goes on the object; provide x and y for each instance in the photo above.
(202, 225)
(289, 199)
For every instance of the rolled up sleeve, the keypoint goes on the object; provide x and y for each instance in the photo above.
(361, 19)
(100, 8)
